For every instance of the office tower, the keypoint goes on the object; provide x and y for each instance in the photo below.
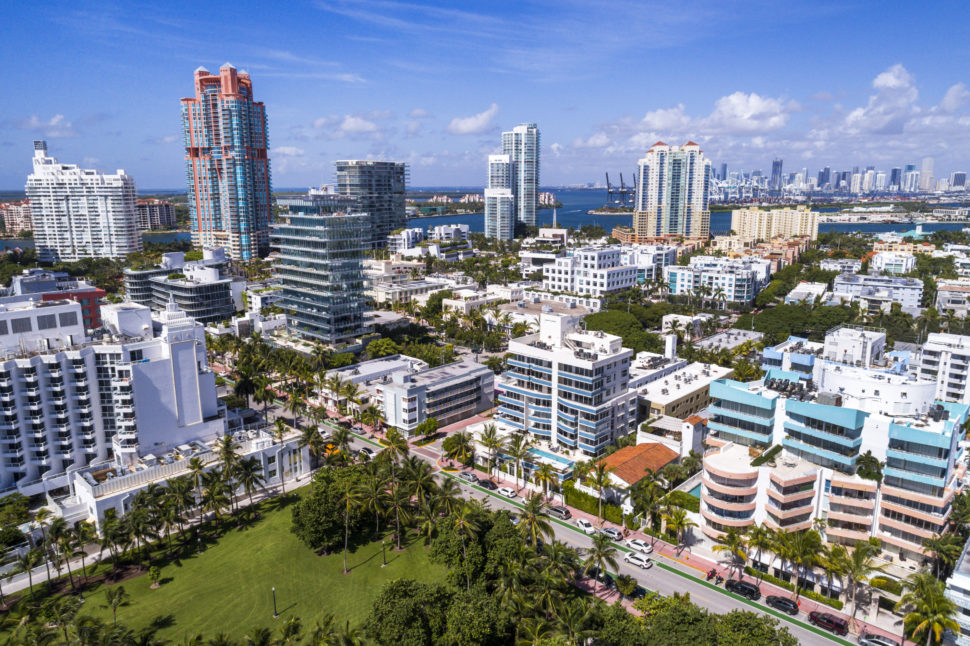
(227, 164)
(320, 268)
(880, 181)
(378, 189)
(926, 180)
(673, 192)
(79, 213)
(911, 181)
(856, 184)
(869, 181)
(499, 201)
(958, 179)
(521, 144)
(776, 176)
(723, 172)
(895, 178)
(824, 177)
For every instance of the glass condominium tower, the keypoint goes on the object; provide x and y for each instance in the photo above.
(673, 194)
(227, 165)
(499, 202)
(521, 144)
(378, 188)
(320, 268)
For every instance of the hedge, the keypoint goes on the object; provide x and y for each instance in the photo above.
(590, 504)
(766, 456)
(808, 594)
(685, 500)
(892, 586)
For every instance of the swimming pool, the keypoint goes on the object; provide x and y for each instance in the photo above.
(696, 491)
(564, 461)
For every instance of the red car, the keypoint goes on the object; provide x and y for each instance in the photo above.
(829, 622)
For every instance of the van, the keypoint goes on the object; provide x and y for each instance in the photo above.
(560, 512)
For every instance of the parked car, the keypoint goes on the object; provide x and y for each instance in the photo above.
(639, 592)
(508, 492)
(869, 639)
(366, 452)
(613, 533)
(744, 588)
(487, 484)
(468, 477)
(782, 603)
(638, 560)
(560, 512)
(601, 577)
(639, 545)
(829, 622)
(585, 525)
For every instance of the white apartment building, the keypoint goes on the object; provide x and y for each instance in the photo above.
(592, 271)
(127, 395)
(40, 326)
(880, 292)
(449, 232)
(891, 262)
(765, 224)
(648, 259)
(567, 387)
(841, 265)
(448, 393)
(945, 360)
(79, 213)
(404, 239)
(958, 591)
(733, 280)
(499, 198)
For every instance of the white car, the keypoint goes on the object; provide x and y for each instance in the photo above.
(586, 526)
(638, 560)
(640, 546)
(505, 491)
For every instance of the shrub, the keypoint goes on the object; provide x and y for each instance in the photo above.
(767, 456)
(590, 504)
(684, 500)
(892, 586)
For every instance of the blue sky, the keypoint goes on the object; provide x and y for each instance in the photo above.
(434, 83)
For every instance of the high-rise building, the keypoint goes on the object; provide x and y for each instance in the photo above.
(16, 217)
(824, 177)
(320, 267)
(155, 214)
(378, 189)
(499, 200)
(896, 178)
(958, 179)
(869, 181)
(927, 182)
(776, 175)
(723, 172)
(521, 144)
(673, 192)
(880, 181)
(79, 213)
(227, 164)
(765, 224)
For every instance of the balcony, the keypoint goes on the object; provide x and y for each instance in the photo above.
(862, 503)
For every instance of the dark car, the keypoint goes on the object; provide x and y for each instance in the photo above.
(829, 622)
(782, 603)
(601, 577)
(639, 592)
(487, 484)
(744, 588)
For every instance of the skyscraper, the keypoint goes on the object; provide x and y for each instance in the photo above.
(723, 172)
(824, 177)
(80, 213)
(521, 144)
(378, 188)
(499, 201)
(895, 178)
(227, 164)
(926, 180)
(321, 267)
(958, 179)
(776, 176)
(673, 192)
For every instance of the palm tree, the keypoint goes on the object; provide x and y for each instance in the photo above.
(465, 525)
(517, 449)
(341, 439)
(806, 551)
(601, 555)
(460, 447)
(929, 612)
(397, 449)
(115, 597)
(245, 386)
(197, 470)
(226, 450)
(532, 520)
(249, 474)
(546, 477)
(294, 406)
(678, 522)
(419, 476)
(350, 499)
(311, 439)
(215, 493)
(351, 395)
(398, 500)
(760, 537)
(374, 497)
(427, 522)
(946, 550)
(859, 564)
(491, 442)
(42, 517)
(448, 496)
(600, 478)
(735, 544)
(24, 563)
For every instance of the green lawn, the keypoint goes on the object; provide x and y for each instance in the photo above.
(228, 587)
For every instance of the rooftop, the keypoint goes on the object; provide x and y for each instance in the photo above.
(681, 382)
(728, 339)
(631, 463)
(530, 307)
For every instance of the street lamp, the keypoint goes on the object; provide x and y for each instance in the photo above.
(383, 554)
(275, 613)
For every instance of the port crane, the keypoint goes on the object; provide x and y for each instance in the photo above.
(623, 195)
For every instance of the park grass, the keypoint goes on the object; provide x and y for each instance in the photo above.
(228, 587)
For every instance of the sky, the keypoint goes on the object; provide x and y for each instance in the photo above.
(433, 84)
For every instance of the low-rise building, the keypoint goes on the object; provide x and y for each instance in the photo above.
(649, 260)
(683, 392)
(448, 394)
(43, 285)
(592, 271)
(404, 239)
(880, 292)
(795, 355)
(729, 339)
(465, 301)
(841, 265)
(945, 360)
(805, 292)
(417, 291)
(691, 326)
(631, 464)
(892, 262)
(720, 279)
(953, 297)
(958, 591)
(903, 247)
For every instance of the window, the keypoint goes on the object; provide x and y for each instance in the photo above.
(18, 326)
(46, 321)
(68, 318)
(3, 328)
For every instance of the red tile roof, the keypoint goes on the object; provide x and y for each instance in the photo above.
(630, 463)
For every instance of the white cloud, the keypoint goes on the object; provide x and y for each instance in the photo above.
(56, 127)
(414, 127)
(556, 149)
(741, 113)
(353, 125)
(167, 139)
(597, 140)
(90, 161)
(954, 99)
(474, 124)
(890, 108)
(672, 119)
(419, 113)
(287, 151)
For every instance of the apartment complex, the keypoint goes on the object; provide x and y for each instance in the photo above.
(590, 271)
(500, 208)
(945, 360)
(155, 214)
(718, 278)
(40, 285)
(568, 387)
(765, 224)
(320, 267)
(227, 164)
(673, 192)
(80, 213)
(891, 262)
(841, 265)
(521, 144)
(377, 188)
(448, 394)
(15, 217)
(880, 292)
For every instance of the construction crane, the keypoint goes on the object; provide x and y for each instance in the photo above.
(621, 194)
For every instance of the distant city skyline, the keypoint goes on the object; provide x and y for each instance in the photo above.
(603, 82)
